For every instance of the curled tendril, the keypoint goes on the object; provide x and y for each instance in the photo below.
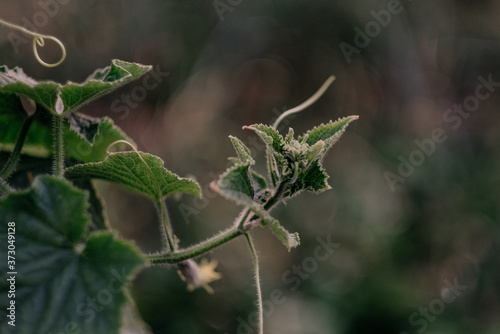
(39, 40)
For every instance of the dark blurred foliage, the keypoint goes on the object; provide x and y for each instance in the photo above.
(397, 249)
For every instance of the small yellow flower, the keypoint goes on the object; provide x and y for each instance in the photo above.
(198, 276)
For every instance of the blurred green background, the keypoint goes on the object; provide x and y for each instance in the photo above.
(416, 255)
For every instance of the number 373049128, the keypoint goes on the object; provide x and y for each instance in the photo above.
(11, 248)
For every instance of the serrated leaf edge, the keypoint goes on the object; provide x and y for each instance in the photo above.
(78, 166)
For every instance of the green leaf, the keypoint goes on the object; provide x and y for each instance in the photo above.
(290, 240)
(10, 103)
(243, 152)
(85, 126)
(58, 268)
(330, 133)
(260, 188)
(39, 141)
(313, 179)
(276, 163)
(138, 171)
(289, 136)
(96, 209)
(85, 151)
(259, 182)
(277, 167)
(269, 135)
(235, 184)
(62, 99)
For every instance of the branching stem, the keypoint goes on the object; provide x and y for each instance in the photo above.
(205, 246)
(201, 248)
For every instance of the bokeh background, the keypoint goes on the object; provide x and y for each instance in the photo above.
(239, 62)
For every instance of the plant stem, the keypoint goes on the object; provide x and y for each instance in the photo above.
(240, 228)
(162, 209)
(4, 187)
(257, 283)
(57, 130)
(176, 256)
(193, 251)
(277, 195)
(244, 218)
(16, 153)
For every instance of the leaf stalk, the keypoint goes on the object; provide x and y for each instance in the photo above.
(57, 130)
(11, 164)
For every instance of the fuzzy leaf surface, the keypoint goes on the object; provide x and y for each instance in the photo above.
(138, 171)
(85, 126)
(62, 99)
(58, 266)
(242, 151)
(330, 133)
(83, 150)
(313, 179)
(236, 185)
(269, 135)
(290, 240)
(39, 140)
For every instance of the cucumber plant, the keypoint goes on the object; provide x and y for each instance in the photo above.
(65, 253)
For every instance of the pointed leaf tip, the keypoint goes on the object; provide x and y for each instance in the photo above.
(61, 99)
(138, 171)
(330, 132)
(243, 152)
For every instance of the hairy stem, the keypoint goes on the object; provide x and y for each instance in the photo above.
(217, 240)
(4, 188)
(57, 130)
(257, 283)
(240, 228)
(162, 209)
(201, 248)
(244, 218)
(16, 153)
(278, 195)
